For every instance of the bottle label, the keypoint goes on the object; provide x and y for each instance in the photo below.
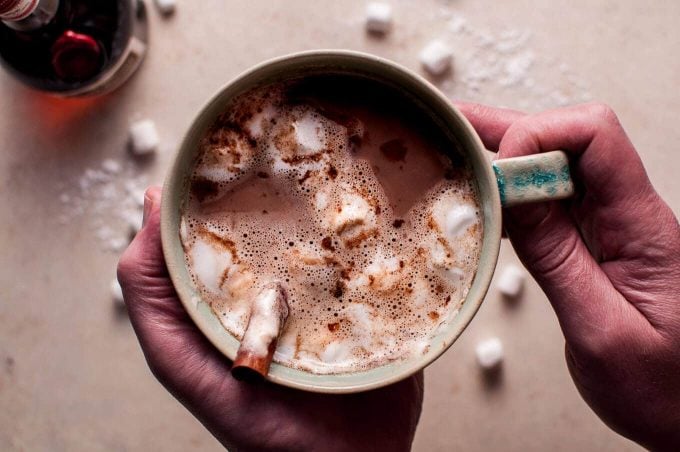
(14, 10)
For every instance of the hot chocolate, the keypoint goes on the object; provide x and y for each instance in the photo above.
(348, 197)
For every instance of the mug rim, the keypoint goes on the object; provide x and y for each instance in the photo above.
(489, 204)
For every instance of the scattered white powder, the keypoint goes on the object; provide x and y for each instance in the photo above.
(109, 197)
(500, 66)
(111, 166)
(456, 24)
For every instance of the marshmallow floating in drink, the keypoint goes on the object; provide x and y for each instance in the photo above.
(436, 58)
(218, 268)
(511, 281)
(144, 138)
(453, 222)
(489, 353)
(378, 17)
(384, 273)
(355, 220)
(261, 121)
(227, 154)
(309, 134)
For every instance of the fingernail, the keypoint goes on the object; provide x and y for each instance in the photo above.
(148, 207)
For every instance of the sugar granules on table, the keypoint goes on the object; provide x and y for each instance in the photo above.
(110, 197)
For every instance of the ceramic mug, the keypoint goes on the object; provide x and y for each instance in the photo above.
(505, 182)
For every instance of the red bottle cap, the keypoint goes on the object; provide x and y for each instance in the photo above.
(16, 9)
(76, 56)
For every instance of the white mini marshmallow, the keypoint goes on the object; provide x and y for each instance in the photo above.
(166, 7)
(489, 353)
(260, 122)
(458, 220)
(116, 292)
(354, 212)
(511, 281)
(144, 138)
(210, 264)
(336, 352)
(383, 272)
(378, 17)
(309, 134)
(436, 57)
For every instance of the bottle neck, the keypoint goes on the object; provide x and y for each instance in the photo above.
(26, 15)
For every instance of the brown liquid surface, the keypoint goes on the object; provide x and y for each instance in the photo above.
(351, 197)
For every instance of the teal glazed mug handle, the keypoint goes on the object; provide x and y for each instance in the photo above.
(533, 178)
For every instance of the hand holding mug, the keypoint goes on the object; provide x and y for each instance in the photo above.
(249, 416)
(609, 262)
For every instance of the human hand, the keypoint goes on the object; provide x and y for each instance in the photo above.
(249, 416)
(608, 260)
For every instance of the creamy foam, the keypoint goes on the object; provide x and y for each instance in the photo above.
(350, 204)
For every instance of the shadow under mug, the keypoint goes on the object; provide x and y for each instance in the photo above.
(507, 182)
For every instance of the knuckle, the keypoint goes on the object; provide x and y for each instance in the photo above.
(158, 370)
(522, 134)
(126, 268)
(558, 257)
(603, 113)
(617, 346)
(598, 352)
(163, 374)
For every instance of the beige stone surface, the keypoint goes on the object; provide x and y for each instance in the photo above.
(72, 376)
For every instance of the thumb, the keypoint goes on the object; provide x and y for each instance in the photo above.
(555, 240)
(149, 292)
(176, 351)
(145, 250)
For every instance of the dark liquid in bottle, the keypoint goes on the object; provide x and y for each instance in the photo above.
(83, 40)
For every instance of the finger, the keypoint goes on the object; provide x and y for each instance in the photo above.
(142, 267)
(605, 160)
(545, 235)
(489, 122)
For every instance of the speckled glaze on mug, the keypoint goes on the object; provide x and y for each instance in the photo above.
(521, 181)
